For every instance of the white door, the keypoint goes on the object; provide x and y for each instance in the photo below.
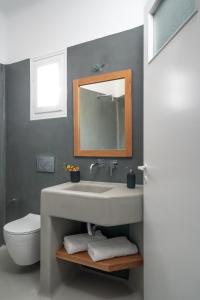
(172, 155)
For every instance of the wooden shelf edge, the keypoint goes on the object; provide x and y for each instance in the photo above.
(109, 265)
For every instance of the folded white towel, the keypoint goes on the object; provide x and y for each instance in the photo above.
(115, 247)
(79, 242)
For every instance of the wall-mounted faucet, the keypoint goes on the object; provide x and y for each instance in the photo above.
(98, 163)
(112, 166)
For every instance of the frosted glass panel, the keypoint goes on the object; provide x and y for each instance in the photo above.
(48, 85)
(168, 18)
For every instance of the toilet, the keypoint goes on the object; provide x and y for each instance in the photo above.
(22, 238)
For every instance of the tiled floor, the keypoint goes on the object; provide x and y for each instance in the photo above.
(17, 283)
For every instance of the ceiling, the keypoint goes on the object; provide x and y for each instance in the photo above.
(12, 5)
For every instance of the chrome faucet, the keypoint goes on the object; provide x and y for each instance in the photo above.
(112, 166)
(98, 163)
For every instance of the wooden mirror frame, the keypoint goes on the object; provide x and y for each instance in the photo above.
(127, 152)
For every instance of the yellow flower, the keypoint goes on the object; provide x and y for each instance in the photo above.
(71, 168)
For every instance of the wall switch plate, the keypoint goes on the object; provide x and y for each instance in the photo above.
(45, 164)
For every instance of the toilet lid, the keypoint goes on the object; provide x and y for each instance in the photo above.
(25, 225)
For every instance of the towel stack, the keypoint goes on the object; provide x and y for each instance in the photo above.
(98, 246)
(79, 242)
(110, 248)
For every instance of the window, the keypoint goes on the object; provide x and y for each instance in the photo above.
(48, 87)
(166, 18)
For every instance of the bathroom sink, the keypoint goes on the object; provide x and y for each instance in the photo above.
(88, 188)
(101, 203)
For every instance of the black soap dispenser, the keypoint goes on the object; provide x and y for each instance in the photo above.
(131, 179)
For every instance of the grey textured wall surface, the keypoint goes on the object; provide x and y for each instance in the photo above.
(26, 138)
(119, 51)
(2, 149)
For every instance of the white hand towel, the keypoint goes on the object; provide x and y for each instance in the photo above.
(115, 247)
(79, 242)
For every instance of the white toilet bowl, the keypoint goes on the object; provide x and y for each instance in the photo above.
(22, 238)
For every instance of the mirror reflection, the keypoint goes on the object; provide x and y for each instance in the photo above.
(102, 115)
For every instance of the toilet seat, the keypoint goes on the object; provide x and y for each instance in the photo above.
(26, 225)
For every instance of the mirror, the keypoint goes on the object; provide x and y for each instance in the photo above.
(102, 106)
(103, 115)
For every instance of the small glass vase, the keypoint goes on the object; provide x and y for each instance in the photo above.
(75, 176)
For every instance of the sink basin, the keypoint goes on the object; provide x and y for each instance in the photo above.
(88, 188)
(101, 203)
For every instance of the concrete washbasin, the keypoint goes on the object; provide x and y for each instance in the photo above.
(88, 188)
(102, 203)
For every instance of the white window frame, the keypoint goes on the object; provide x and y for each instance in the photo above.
(154, 6)
(50, 112)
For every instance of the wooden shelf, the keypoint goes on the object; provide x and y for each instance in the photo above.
(109, 265)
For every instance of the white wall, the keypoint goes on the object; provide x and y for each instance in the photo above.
(2, 39)
(45, 26)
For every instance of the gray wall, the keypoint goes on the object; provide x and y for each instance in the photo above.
(120, 51)
(2, 149)
(26, 138)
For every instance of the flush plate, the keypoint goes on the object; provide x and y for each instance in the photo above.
(45, 164)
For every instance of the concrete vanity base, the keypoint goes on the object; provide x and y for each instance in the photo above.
(58, 277)
(57, 208)
(52, 270)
